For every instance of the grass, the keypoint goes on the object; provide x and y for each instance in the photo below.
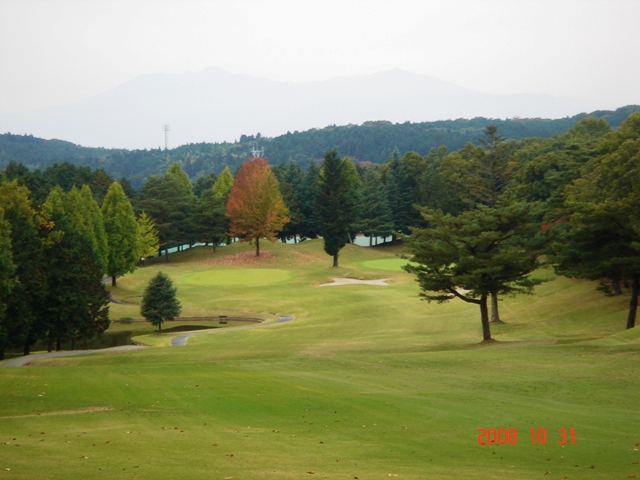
(367, 381)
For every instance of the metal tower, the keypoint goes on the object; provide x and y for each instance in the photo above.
(165, 129)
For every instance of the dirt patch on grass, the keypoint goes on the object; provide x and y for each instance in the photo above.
(61, 412)
(354, 281)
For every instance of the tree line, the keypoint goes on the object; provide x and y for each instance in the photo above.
(476, 221)
(371, 141)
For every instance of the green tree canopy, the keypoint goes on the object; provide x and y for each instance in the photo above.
(122, 233)
(159, 301)
(479, 252)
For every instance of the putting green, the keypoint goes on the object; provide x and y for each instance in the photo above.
(390, 264)
(240, 276)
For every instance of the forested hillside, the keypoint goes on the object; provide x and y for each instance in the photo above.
(372, 141)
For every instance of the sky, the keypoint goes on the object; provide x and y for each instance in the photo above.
(54, 52)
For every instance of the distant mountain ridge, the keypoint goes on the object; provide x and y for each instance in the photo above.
(371, 141)
(216, 106)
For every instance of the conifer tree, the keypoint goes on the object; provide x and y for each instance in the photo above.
(210, 220)
(159, 301)
(7, 280)
(375, 216)
(479, 252)
(334, 204)
(122, 233)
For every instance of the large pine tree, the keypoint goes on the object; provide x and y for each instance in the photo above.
(335, 203)
(159, 301)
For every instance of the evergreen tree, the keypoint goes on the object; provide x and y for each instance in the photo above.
(307, 203)
(334, 205)
(598, 236)
(375, 216)
(7, 280)
(159, 301)
(202, 184)
(399, 194)
(210, 220)
(170, 206)
(480, 251)
(122, 233)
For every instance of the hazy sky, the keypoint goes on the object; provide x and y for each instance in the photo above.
(54, 52)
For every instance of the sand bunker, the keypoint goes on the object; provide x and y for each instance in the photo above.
(353, 281)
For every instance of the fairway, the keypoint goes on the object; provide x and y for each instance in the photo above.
(245, 276)
(390, 264)
(366, 382)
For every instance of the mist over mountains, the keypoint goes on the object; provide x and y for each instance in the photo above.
(216, 106)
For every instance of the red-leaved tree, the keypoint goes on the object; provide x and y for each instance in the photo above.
(255, 205)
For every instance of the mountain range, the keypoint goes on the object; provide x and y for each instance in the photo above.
(216, 106)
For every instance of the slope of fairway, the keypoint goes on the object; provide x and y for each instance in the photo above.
(365, 382)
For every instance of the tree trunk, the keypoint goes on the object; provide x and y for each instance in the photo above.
(58, 345)
(160, 327)
(616, 287)
(166, 254)
(2, 353)
(113, 280)
(371, 240)
(633, 305)
(258, 247)
(214, 247)
(484, 316)
(350, 239)
(49, 344)
(27, 348)
(73, 341)
(335, 260)
(495, 314)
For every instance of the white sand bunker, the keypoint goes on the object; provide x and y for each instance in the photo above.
(354, 281)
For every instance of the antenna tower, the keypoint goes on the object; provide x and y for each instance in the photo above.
(257, 152)
(165, 129)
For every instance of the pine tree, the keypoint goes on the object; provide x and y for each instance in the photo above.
(375, 216)
(334, 204)
(482, 251)
(255, 205)
(122, 233)
(399, 195)
(159, 301)
(210, 220)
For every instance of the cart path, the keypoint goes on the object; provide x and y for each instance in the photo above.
(26, 360)
(181, 340)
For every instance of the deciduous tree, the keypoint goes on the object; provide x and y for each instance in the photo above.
(122, 232)
(255, 205)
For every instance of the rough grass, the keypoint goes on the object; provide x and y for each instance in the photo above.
(366, 382)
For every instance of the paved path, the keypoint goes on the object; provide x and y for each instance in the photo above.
(26, 360)
(181, 340)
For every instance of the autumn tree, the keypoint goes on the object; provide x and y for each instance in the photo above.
(255, 205)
